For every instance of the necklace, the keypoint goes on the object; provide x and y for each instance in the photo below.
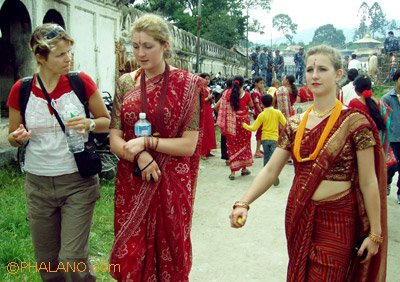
(337, 109)
(159, 125)
(148, 78)
(324, 113)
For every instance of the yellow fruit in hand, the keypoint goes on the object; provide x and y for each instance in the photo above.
(239, 220)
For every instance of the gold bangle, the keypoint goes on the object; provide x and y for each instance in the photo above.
(155, 147)
(377, 239)
(241, 204)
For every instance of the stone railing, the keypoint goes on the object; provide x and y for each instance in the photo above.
(212, 57)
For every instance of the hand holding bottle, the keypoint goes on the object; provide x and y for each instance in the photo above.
(79, 123)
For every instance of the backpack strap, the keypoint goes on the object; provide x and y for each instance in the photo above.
(79, 88)
(24, 94)
(76, 83)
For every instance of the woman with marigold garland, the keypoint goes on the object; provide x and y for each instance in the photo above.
(337, 198)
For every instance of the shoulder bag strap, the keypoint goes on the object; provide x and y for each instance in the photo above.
(49, 101)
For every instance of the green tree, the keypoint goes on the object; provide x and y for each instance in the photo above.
(364, 15)
(378, 20)
(255, 26)
(392, 25)
(283, 23)
(222, 21)
(328, 34)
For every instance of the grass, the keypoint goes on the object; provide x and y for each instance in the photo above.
(15, 239)
(381, 89)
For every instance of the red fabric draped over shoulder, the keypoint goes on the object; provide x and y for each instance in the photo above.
(152, 221)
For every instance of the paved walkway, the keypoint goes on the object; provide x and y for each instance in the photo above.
(256, 252)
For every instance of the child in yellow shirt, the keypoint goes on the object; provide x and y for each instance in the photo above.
(270, 119)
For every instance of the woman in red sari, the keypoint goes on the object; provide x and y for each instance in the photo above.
(305, 95)
(380, 113)
(153, 210)
(285, 96)
(233, 111)
(209, 141)
(256, 95)
(337, 197)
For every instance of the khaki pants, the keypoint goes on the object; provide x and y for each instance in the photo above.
(60, 211)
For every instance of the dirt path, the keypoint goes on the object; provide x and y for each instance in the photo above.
(258, 251)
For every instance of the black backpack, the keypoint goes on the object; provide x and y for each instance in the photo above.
(76, 83)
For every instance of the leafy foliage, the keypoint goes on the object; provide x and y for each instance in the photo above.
(378, 20)
(372, 20)
(328, 34)
(284, 24)
(222, 21)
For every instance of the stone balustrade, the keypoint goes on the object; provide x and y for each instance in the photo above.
(213, 58)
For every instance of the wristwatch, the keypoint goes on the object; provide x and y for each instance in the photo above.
(92, 125)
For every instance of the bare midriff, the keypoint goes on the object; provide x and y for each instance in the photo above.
(327, 189)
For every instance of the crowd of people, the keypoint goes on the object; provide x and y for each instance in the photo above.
(331, 144)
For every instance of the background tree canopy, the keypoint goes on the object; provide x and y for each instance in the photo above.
(228, 22)
(222, 21)
(328, 34)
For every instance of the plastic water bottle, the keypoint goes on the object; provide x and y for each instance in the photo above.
(142, 126)
(74, 138)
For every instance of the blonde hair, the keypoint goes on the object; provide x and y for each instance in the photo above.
(45, 37)
(332, 53)
(156, 27)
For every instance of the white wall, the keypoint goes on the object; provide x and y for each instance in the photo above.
(94, 25)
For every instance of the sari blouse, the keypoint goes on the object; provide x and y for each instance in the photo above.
(344, 167)
(126, 83)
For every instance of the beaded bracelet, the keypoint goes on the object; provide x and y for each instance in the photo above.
(377, 239)
(241, 204)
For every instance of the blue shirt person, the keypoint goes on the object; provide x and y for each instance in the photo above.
(279, 65)
(300, 65)
(392, 99)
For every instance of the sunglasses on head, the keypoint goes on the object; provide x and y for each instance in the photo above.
(56, 31)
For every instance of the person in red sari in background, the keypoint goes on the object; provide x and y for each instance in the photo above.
(256, 95)
(285, 96)
(305, 95)
(209, 141)
(337, 197)
(233, 111)
(380, 112)
(153, 210)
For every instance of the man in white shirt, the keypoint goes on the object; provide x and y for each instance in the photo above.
(354, 63)
(348, 90)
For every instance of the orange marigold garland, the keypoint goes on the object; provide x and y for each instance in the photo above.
(302, 127)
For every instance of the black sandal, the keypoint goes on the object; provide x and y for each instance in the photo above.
(245, 172)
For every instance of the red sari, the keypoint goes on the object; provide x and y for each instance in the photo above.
(237, 138)
(209, 141)
(383, 136)
(305, 94)
(256, 97)
(321, 235)
(152, 221)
